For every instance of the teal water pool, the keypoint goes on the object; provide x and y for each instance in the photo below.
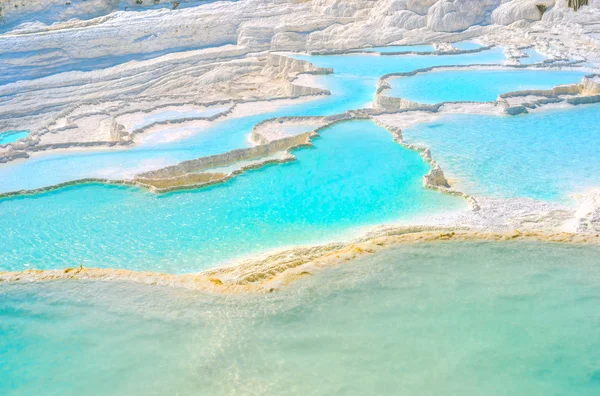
(12, 136)
(533, 57)
(476, 85)
(365, 66)
(546, 155)
(355, 176)
(334, 189)
(353, 86)
(470, 319)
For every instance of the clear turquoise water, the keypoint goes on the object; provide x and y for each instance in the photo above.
(353, 86)
(466, 45)
(476, 85)
(354, 176)
(463, 45)
(374, 66)
(470, 319)
(12, 136)
(534, 57)
(327, 194)
(44, 170)
(546, 155)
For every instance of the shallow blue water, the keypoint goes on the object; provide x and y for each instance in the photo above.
(546, 155)
(466, 45)
(355, 176)
(534, 57)
(476, 85)
(273, 207)
(12, 136)
(53, 168)
(375, 66)
(434, 319)
(463, 45)
(353, 86)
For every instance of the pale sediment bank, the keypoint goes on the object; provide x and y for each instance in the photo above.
(512, 103)
(269, 273)
(198, 173)
(272, 148)
(102, 123)
(187, 174)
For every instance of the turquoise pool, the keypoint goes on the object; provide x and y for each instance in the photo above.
(353, 86)
(12, 136)
(355, 176)
(365, 66)
(471, 319)
(534, 57)
(476, 85)
(546, 155)
(333, 190)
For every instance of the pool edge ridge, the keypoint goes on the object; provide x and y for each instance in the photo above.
(274, 271)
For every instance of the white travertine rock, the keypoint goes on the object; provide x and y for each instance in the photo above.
(444, 47)
(562, 12)
(406, 20)
(457, 15)
(518, 10)
(287, 41)
(586, 218)
(590, 85)
(420, 7)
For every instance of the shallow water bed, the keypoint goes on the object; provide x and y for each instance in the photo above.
(476, 85)
(446, 318)
(12, 136)
(353, 86)
(467, 45)
(356, 175)
(533, 57)
(546, 155)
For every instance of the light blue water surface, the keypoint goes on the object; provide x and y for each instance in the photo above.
(505, 319)
(463, 45)
(12, 136)
(534, 57)
(547, 155)
(328, 193)
(374, 66)
(353, 86)
(354, 176)
(476, 85)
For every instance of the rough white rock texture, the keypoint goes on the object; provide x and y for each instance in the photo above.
(521, 10)
(456, 15)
